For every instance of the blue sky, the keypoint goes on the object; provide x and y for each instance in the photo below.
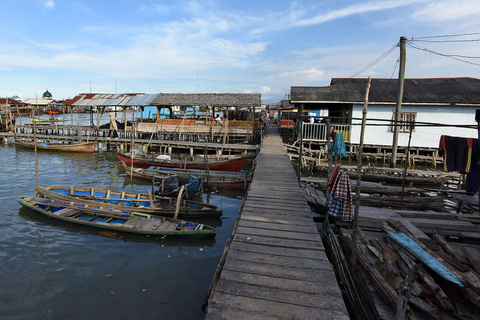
(262, 46)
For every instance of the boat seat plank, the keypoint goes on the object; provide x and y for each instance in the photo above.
(150, 225)
(164, 226)
(131, 222)
(67, 212)
(172, 227)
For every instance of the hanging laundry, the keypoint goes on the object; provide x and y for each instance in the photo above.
(340, 204)
(339, 148)
(462, 155)
(457, 153)
(333, 177)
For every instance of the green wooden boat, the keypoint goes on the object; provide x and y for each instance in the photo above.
(130, 201)
(111, 219)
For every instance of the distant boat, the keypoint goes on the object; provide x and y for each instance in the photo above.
(83, 147)
(130, 201)
(210, 179)
(49, 120)
(213, 162)
(116, 220)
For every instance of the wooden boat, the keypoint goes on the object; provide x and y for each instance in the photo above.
(49, 120)
(215, 179)
(116, 220)
(213, 162)
(84, 147)
(128, 201)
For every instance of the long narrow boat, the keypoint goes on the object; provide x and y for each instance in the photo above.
(133, 222)
(213, 162)
(49, 120)
(128, 201)
(210, 179)
(83, 147)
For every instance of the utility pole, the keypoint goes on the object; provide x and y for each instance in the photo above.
(398, 109)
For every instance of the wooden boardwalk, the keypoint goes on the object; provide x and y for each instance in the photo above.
(276, 267)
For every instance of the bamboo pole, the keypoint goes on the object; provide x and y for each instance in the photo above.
(131, 144)
(179, 200)
(359, 177)
(406, 162)
(36, 156)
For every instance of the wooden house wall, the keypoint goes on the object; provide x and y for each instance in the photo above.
(426, 137)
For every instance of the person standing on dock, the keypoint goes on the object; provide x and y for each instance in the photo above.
(113, 127)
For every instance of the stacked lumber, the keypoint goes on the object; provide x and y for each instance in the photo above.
(418, 276)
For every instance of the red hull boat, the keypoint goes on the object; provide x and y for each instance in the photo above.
(213, 162)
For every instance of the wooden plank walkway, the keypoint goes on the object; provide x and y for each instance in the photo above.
(276, 267)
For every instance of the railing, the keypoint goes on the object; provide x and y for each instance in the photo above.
(318, 131)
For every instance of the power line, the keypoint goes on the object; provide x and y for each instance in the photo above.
(376, 60)
(442, 41)
(455, 57)
(451, 35)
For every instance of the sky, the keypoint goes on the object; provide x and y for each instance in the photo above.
(194, 46)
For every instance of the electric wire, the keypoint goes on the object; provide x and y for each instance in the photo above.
(454, 57)
(451, 35)
(374, 62)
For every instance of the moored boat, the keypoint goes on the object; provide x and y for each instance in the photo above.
(212, 162)
(210, 178)
(49, 120)
(83, 147)
(128, 201)
(111, 219)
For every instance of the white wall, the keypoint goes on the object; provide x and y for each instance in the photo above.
(427, 137)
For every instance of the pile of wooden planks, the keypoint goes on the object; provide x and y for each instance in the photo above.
(419, 276)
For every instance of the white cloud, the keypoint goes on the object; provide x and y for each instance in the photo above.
(50, 4)
(455, 10)
(265, 89)
(234, 49)
(308, 75)
(354, 10)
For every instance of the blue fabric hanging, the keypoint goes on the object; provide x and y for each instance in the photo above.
(339, 148)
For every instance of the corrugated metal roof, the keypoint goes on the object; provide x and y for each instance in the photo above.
(141, 100)
(125, 99)
(455, 91)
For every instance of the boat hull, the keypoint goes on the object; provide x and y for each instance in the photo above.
(86, 147)
(232, 164)
(116, 220)
(128, 201)
(212, 179)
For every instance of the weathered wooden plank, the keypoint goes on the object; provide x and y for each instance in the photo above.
(275, 218)
(304, 211)
(164, 226)
(281, 234)
(276, 267)
(232, 307)
(331, 301)
(311, 253)
(310, 228)
(278, 200)
(280, 272)
(276, 242)
(319, 263)
(273, 206)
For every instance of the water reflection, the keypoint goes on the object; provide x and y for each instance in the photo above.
(55, 269)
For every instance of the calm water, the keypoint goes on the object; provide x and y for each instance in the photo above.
(54, 270)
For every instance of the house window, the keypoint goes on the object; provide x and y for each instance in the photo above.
(406, 118)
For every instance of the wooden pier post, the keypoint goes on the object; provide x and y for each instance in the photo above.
(359, 177)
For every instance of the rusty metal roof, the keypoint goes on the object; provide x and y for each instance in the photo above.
(169, 99)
